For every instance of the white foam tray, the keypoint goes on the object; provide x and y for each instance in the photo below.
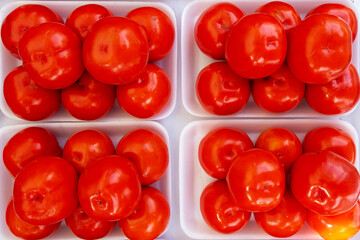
(64, 8)
(63, 131)
(193, 179)
(193, 60)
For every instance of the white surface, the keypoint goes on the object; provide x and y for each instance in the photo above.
(169, 63)
(193, 60)
(63, 131)
(176, 121)
(193, 178)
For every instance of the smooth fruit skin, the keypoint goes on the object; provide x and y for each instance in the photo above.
(83, 18)
(88, 99)
(51, 54)
(109, 189)
(279, 92)
(159, 28)
(25, 230)
(256, 46)
(26, 99)
(319, 49)
(221, 91)
(325, 182)
(26, 146)
(285, 220)
(332, 139)
(20, 20)
(337, 96)
(283, 12)
(45, 191)
(86, 147)
(212, 28)
(283, 143)
(147, 96)
(116, 51)
(220, 211)
(219, 148)
(85, 227)
(150, 217)
(148, 151)
(256, 180)
(341, 11)
(339, 227)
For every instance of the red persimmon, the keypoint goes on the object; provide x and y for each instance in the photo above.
(45, 191)
(109, 189)
(51, 54)
(28, 100)
(85, 147)
(148, 151)
(319, 49)
(212, 28)
(147, 96)
(325, 182)
(27, 145)
(88, 99)
(26, 230)
(83, 18)
(256, 180)
(220, 90)
(159, 28)
(20, 20)
(219, 148)
(116, 50)
(219, 209)
(256, 46)
(150, 218)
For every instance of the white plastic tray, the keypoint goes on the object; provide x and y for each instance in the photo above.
(193, 60)
(63, 131)
(64, 8)
(193, 179)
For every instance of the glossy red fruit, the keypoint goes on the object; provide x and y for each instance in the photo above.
(341, 11)
(27, 145)
(116, 51)
(319, 49)
(51, 54)
(85, 227)
(26, 99)
(150, 217)
(332, 139)
(337, 96)
(83, 18)
(279, 92)
(325, 182)
(88, 99)
(256, 46)
(25, 230)
(22, 19)
(285, 220)
(86, 147)
(283, 12)
(109, 189)
(147, 96)
(148, 151)
(45, 191)
(256, 180)
(212, 28)
(339, 227)
(221, 91)
(219, 209)
(219, 148)
(283, 143)
(159, 28)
